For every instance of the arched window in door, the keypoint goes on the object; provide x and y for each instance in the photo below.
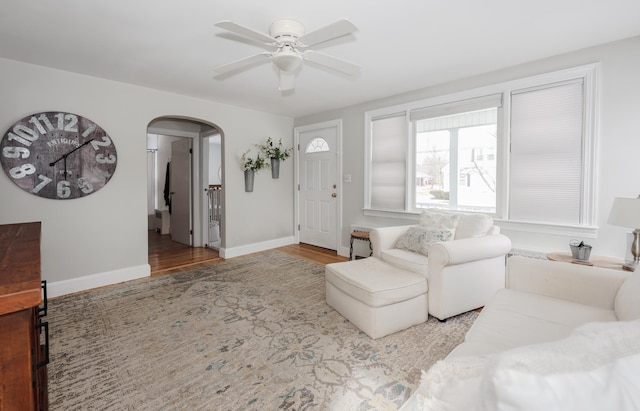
(317, 145)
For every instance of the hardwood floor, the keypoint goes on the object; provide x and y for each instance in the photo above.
(167, 256)
(312, 253)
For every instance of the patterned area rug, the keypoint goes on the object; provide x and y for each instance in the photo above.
(250, 333)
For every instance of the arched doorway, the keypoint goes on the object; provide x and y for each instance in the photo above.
(185, 163)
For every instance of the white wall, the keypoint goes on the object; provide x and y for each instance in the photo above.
(619, 141)
(102, 238)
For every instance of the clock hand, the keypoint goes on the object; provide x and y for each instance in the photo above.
(64, 156)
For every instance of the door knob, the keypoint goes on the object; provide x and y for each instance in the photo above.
(334, 195)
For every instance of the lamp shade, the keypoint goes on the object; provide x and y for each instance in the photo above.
(625, 212)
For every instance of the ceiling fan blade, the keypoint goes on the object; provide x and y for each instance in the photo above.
(242, 63)
(287, 80)
(245, 31)
(331, 62)
(338, 29)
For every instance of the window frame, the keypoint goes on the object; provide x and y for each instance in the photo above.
(468, 105)
(588, 73)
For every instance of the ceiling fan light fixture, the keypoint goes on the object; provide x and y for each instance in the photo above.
(293, 48)
(288, 61)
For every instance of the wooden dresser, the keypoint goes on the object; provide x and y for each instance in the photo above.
(24, 336)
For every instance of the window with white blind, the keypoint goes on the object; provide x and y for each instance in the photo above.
(522, 151)
(388, 163)
(546, 159)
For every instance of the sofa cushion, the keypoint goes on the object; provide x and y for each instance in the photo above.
(595, 368)
(406, 260)
(516, 318)
(611, 386)
(627, 304)
(374, 282)
(419, 238)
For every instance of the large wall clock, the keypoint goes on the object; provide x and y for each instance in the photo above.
(58, 155)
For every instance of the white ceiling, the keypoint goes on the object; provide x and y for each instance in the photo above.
(401, 46)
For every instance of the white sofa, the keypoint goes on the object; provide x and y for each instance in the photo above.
(462, 273)
(561, 336)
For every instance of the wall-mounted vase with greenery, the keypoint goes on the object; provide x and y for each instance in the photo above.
(276, 153)
(250, 166)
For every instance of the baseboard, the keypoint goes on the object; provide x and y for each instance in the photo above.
(255, 247)
(59, 288)
(343, 251)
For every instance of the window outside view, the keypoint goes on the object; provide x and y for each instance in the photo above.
(456, 161)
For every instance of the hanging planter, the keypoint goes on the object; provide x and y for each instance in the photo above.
(250, 166)
(276, 153)
(275, 167)
(248, 180)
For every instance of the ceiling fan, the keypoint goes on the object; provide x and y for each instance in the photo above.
(291, 47)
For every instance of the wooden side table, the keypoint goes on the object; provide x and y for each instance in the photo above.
(359, 235)
(596, 261)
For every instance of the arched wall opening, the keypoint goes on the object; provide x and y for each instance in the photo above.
(204, 173)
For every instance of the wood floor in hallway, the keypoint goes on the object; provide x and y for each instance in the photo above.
(167, 256)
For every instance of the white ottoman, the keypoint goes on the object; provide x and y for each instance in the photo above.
(376, 297)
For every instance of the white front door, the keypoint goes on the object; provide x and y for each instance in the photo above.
(318, 184)
(180, 185)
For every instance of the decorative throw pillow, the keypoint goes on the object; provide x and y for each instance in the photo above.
(419, 238)
(440, 220)
(465, 225)
(473, 225)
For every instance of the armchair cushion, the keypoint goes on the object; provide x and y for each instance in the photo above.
(419, 238)
(467, 225)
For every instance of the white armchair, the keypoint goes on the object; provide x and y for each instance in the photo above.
(463, 273)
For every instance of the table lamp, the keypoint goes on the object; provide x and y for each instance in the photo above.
(625, 212)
